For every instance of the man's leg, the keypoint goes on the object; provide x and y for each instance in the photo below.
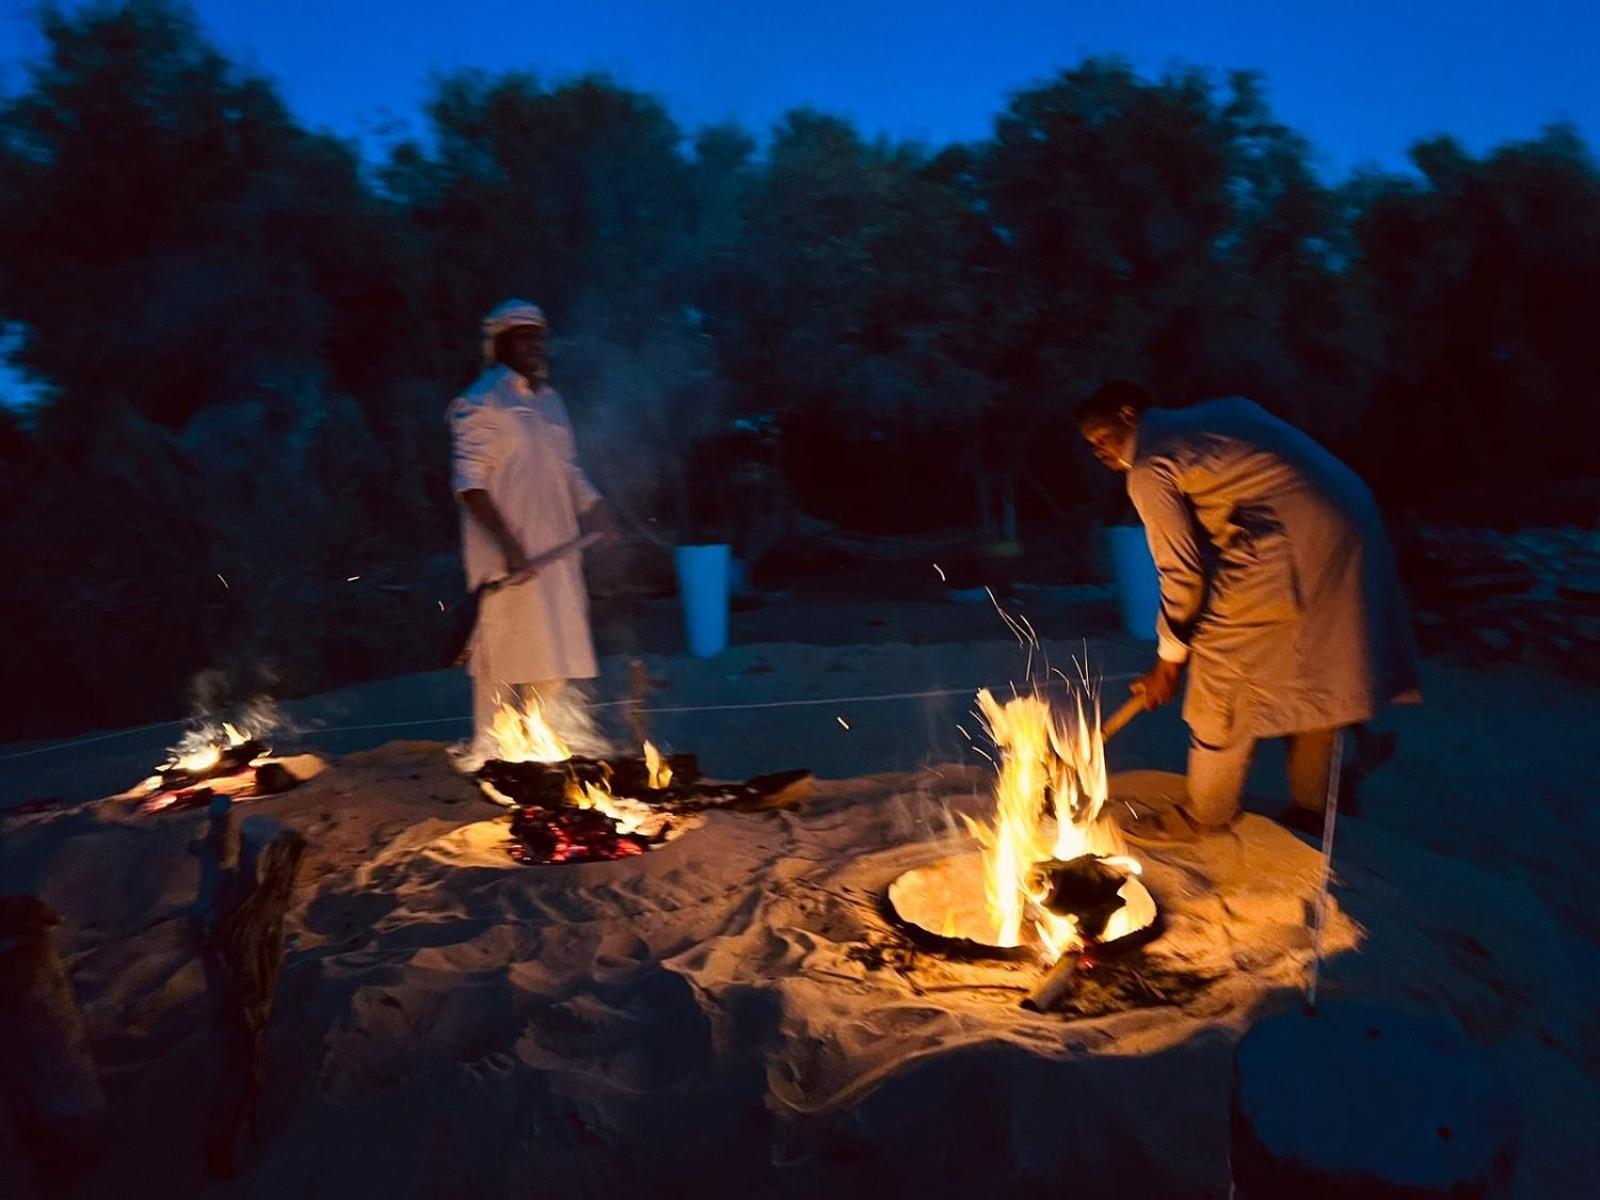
(546, 691)
(487, 696)
(1216, 779)
(1310, 758)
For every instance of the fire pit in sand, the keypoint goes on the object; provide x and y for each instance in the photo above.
(572, 808)
(215, 760)
(1052, 880)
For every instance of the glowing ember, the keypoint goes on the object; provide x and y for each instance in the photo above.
(583, 820)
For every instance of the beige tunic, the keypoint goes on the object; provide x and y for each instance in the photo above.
(518, 445)
(1278, 582)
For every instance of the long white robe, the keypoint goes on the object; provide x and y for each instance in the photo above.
(517, 445)
(1278, 581)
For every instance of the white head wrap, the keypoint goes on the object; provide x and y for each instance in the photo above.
(508, 315)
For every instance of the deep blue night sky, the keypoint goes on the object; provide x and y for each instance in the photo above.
(1361, 78)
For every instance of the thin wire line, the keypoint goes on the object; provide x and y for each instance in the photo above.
(873, 698)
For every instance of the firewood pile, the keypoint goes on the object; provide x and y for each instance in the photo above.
(588, 809)
(220, 762)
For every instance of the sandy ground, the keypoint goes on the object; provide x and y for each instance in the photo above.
(729, 1014)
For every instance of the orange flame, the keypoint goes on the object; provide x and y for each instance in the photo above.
(522, 734)
(660, 771)
(1050, 799)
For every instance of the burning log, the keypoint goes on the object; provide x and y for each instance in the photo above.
(580, 808)
(546, 785)
(586, 810)
(1087, 889)
(1100, 897)
(231, 759)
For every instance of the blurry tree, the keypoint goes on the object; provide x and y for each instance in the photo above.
(850, 309)
(1485, 276)
(179, 255)
(171, 237)
(246, 338)
(559, 195)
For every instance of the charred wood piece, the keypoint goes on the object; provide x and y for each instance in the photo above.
(759, 793)
(1085, 889)
(545, 785)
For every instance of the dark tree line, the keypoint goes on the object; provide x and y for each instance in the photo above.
(246, 335)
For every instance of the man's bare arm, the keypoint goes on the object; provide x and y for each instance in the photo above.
(481, 507)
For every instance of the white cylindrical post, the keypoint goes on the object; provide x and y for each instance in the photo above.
(703, 589)
(1138, 584)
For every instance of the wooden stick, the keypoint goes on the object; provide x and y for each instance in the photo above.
(1053, 987)
(1119, 719)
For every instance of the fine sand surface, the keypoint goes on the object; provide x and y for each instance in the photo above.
(731, 1014)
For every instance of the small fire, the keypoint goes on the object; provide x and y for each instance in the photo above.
(1049, 805)
(660, 771)
(218, 758)
(522, 734)
(203, 750)
(629, 815)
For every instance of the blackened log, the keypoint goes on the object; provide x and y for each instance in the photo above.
(760, 793)
(274, 778)
(545, 785)
(631, 777)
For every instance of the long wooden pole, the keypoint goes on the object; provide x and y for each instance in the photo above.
(1114, 724)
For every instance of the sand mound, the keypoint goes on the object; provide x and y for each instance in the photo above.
(729, 1014)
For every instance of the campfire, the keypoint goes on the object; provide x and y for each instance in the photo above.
(217, 759)
(1051, 880)
(573, 808)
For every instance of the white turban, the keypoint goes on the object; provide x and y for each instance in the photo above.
(509, 314)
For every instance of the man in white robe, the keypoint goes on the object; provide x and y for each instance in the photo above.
(1279, 592)
(515, 472)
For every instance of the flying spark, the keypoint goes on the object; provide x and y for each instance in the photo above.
(843, 724)
(940, 569)
(441, 605)
(351, 578)
(224, 581)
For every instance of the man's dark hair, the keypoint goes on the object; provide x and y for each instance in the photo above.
(1109, 398)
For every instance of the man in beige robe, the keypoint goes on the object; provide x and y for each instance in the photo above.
(515, 472)
(1279, 591)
